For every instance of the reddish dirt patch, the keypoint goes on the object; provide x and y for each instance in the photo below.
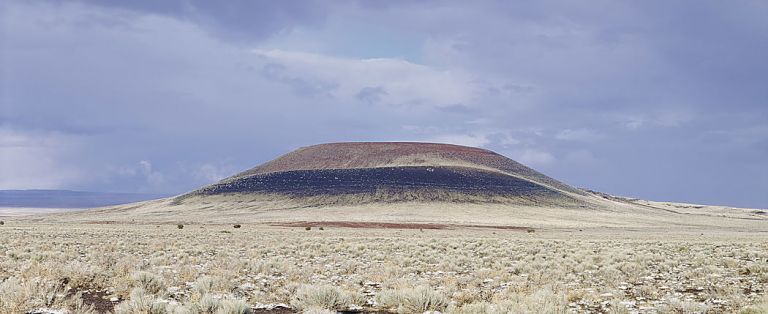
(365, 154)
(365, 225)
(390, 225)
(101, 222)
(290, 311)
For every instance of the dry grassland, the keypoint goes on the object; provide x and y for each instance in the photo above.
(125, 268)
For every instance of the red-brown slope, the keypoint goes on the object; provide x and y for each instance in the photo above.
(393, 154)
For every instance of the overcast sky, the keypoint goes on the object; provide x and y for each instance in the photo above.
(662, 100)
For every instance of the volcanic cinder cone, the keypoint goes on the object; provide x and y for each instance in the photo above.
(356, 173)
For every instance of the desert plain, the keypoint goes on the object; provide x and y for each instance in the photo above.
(699, 263)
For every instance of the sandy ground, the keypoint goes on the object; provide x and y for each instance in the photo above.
(597, 212)
(619, 255)
(25, 211)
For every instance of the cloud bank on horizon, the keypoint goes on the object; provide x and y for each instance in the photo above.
(654, 99)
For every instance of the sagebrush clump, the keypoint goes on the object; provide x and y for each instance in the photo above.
(413, 300)
(324, 297)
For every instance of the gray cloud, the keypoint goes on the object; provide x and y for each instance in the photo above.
(240, 20)
(371, 95)
(308, 87)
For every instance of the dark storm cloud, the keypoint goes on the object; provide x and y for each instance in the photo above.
(653, 99)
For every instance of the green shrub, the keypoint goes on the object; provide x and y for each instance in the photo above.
(180, 226)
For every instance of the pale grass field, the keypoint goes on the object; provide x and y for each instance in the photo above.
(263, 269)
(248, 208)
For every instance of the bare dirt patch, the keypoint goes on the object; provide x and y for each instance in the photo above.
(391, 225)
(99, 301)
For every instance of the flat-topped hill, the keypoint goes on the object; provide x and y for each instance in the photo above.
(356, 173)
(357, 155)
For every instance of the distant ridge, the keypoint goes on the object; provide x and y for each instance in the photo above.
(69, 199)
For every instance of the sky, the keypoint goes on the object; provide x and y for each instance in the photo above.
(660, 100)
